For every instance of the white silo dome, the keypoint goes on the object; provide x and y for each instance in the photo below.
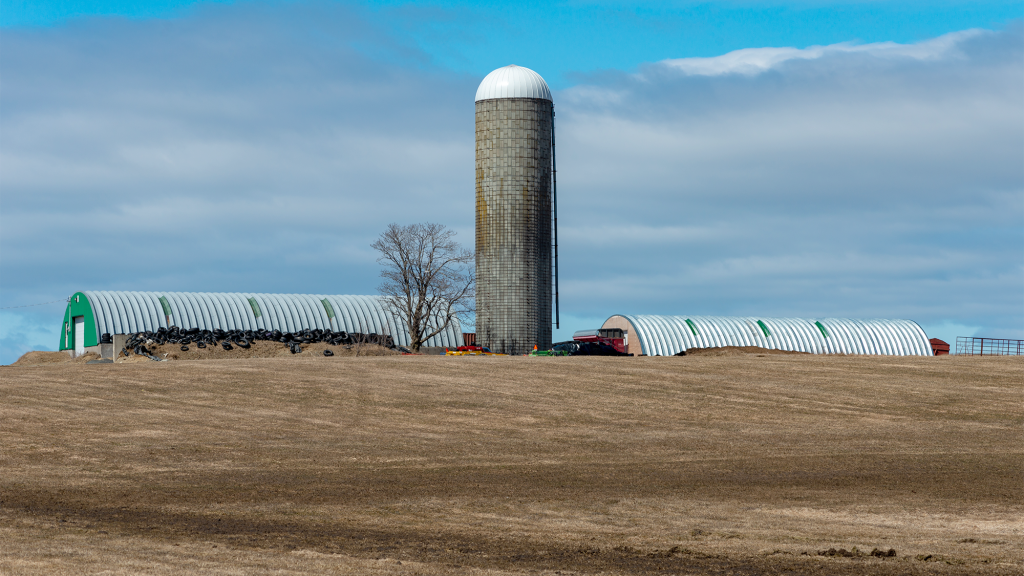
(513, 82)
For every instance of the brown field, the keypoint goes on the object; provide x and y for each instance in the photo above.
(704, 464)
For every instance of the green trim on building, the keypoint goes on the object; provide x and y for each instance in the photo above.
(255, 307)
(328, 308)
(822, 328)
(167, 310)
(165, 305)
(764, 329)
(692, 327)
(78, 306)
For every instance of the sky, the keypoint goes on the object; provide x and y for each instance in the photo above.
(808, 159)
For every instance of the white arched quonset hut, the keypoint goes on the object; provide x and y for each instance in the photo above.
(90, 315)
(669, 335)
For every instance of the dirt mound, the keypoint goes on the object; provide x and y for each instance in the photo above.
(37, 357)
(734, 351)
(257, 349)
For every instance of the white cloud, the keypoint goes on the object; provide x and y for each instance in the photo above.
(752, 61)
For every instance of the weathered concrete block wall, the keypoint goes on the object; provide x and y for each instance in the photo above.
(513, 224)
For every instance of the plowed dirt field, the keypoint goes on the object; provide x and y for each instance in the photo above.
(737, 464)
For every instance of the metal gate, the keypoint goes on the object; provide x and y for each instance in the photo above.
(970, 346)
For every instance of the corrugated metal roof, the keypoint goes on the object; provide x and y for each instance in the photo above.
(669, 335)
(513, 82)
(130, 312)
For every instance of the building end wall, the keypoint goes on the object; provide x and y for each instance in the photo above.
(79, 305)
(632, 343)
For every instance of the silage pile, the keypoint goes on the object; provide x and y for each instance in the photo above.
(177, 343)
(258, 349)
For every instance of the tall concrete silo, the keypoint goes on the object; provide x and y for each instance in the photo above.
(514, 137)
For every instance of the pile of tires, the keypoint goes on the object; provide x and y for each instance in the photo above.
(229, 339)
(574, 348)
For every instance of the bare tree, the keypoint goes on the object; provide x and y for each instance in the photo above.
(429, 279)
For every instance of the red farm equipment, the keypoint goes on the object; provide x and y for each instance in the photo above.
(613, 337)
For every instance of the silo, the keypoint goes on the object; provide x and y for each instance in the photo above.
(514, 129)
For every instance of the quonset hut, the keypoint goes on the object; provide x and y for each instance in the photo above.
(92, 315)
(514, 140)
(669, 335)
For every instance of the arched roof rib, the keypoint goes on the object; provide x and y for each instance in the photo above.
(779, 334)
(805, 338)
(124, 307)
(845, 339)
(272, 315)
(268, 313)
(133, 314)
(791, 333)
(224, 316)
(884, 340)
(898, 341)
(668, 335)
(914, 335)
(120, 312)
(103, 312)
(743, 331)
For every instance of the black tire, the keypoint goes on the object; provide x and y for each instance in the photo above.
(243, 343)
(328, 353)
(226, 345)
(200, 344)
(184, 348)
